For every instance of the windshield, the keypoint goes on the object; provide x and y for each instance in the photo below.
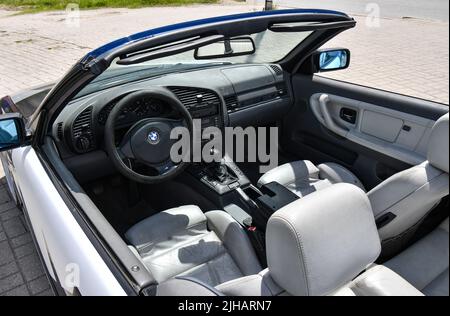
(269, 47)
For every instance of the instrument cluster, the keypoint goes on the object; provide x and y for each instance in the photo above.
(142, 108)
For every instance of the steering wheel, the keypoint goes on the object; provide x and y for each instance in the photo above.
(148, 140)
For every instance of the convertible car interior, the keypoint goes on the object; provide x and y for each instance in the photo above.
(220, 228)
(358, 204)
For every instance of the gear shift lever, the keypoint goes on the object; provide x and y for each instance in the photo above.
(222, 175)
(220, 172)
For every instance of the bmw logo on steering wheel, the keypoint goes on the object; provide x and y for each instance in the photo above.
(153, 137)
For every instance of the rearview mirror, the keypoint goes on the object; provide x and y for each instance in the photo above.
(231, 47)
(12, 131)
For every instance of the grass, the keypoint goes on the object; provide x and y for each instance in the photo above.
(31, 6)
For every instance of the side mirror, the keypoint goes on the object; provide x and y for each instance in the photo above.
(329, 60)
(12, 131)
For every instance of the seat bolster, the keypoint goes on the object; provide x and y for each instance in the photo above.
(235, 240)
(382, 281)
(260, 284)
(409, 195)
(163, 225)
(290, 173)
(425, 264)
(185, 287)
(343, 291)
(337, 174)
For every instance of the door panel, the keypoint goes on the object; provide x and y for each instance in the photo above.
(373, 133)
(390, 132)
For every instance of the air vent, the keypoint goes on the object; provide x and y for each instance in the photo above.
(59, 131)
(191, 97)
(277, 69)
(231, 102)
(82, 123)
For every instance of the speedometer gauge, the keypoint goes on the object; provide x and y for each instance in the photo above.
(155, 107)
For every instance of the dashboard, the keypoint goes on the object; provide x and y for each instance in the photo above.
(223, 95)
(142, 108)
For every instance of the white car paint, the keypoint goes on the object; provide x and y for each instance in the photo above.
(57, 232)
(8, 176)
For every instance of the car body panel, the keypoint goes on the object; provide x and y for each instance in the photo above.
(62, 243)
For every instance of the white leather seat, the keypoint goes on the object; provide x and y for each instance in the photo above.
(399, 203)
(411, 194)
(425, 264)
(319, 245)
(303, 177)
(183, 241)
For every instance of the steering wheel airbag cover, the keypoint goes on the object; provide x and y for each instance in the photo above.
(156, 145)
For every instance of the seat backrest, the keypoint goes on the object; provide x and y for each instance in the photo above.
(403, 200)
(437, 154)
(319, 243)
(322, 244)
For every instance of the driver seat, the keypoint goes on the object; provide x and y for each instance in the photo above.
(210, 247)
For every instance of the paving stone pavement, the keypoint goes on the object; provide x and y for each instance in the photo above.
(21, 272)
(408, 56)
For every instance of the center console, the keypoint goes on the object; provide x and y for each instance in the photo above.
(274, 197)
(230, 189)
(221, 177)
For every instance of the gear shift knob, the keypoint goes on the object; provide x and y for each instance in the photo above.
(222, 172)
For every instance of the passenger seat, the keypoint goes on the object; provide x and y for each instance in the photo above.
(425, 263)
(399, 203)
(302, 177)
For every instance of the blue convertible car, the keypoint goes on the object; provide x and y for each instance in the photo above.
(327, 188)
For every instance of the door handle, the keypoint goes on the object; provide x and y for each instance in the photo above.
(329, 123)
(348, 115)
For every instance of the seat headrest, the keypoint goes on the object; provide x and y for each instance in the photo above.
(437, 154)
(319, 243)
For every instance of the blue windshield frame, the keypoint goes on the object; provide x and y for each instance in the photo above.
(110, 47)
